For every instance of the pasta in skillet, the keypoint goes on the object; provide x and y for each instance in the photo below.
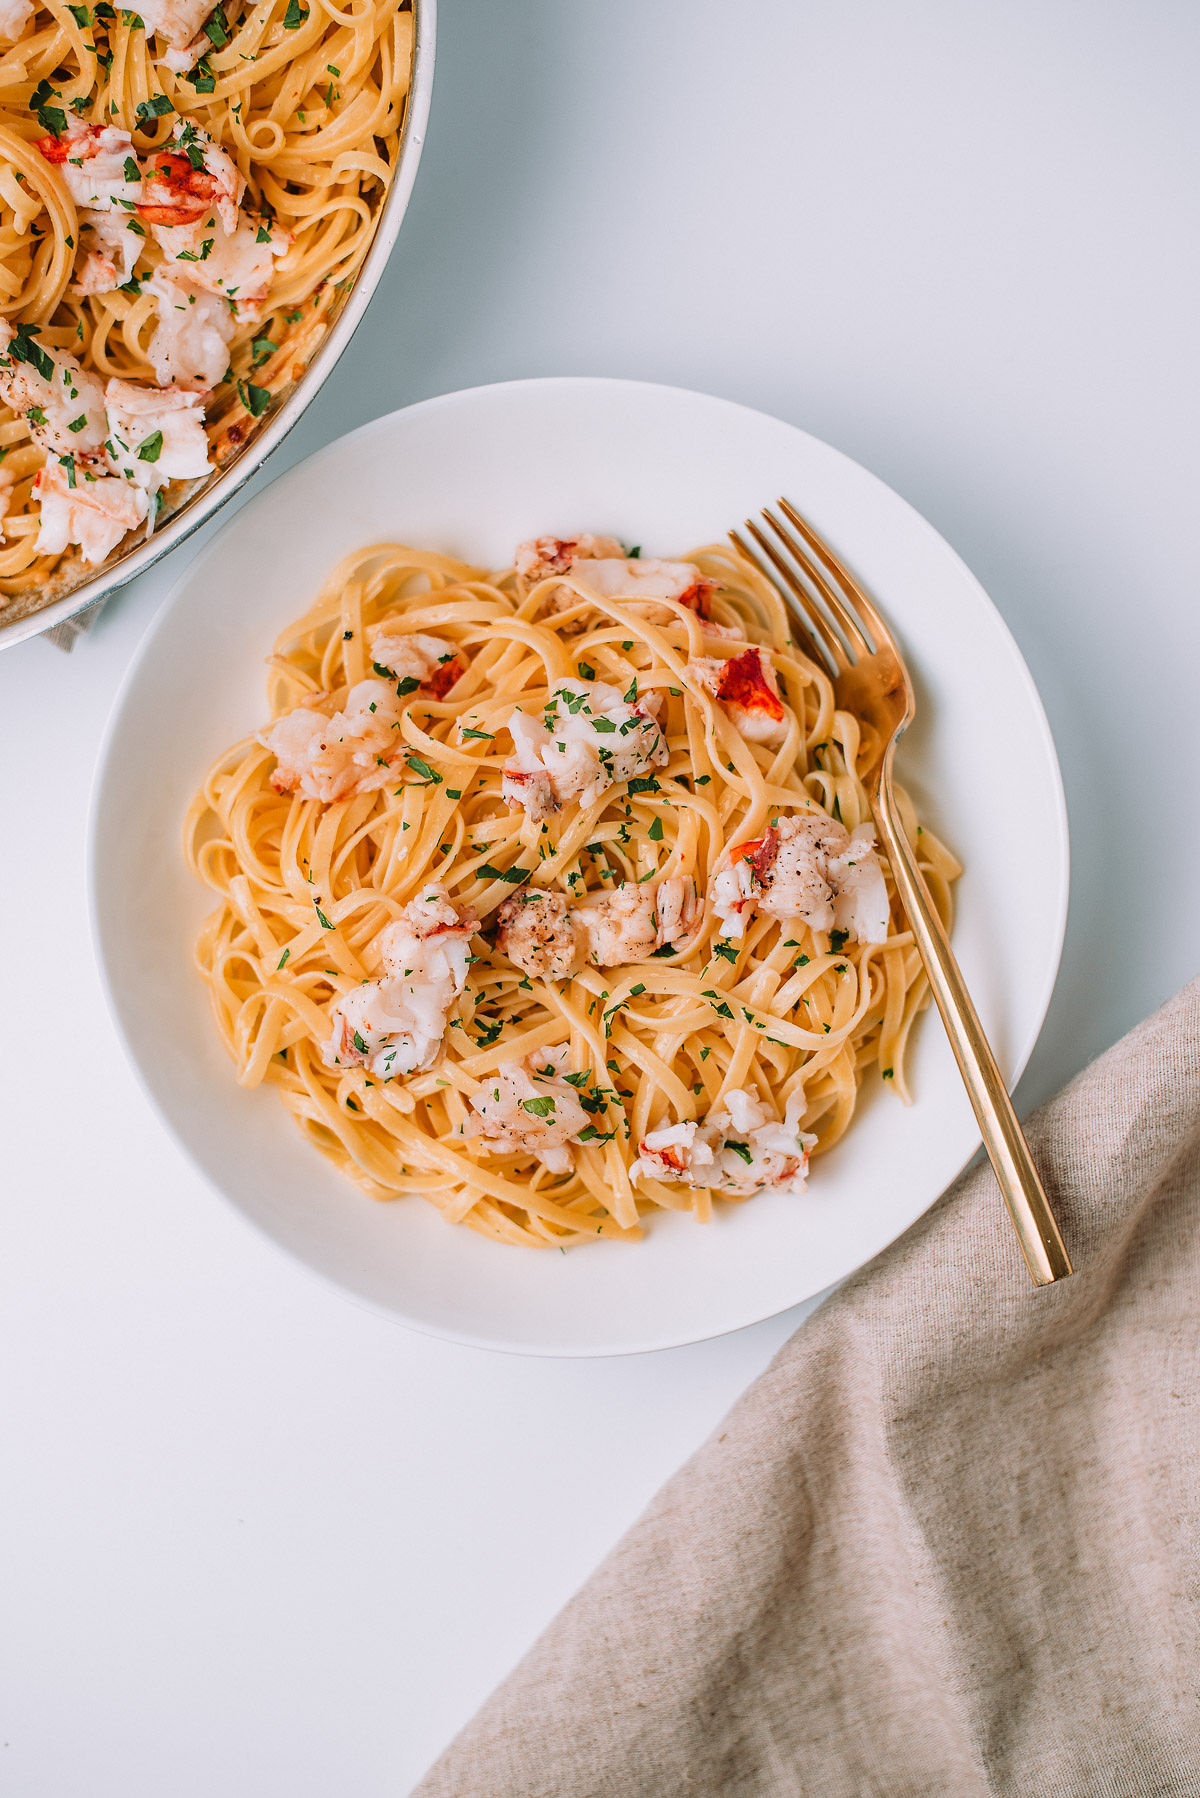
(186, 194)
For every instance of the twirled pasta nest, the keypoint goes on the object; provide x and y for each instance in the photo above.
(551, 894)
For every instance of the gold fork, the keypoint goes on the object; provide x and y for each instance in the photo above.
(843, 633)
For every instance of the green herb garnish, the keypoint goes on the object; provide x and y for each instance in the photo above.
(153, 108)
(422, 767)
(255, 399)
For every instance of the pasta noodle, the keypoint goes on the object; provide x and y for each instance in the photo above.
(306, 99)
(789, 1014)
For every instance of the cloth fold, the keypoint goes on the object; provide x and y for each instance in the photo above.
(64, 636)
(947, 1543)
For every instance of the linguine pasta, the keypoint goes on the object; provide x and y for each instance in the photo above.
(297, 106)
(786, 1016)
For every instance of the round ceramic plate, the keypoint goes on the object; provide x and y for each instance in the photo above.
(471, 474)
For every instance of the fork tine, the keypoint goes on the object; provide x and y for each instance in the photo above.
(842, 575)
(851, 626)
(814, 650)
(824, 641)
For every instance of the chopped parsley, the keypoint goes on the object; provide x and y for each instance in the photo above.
(718, 1004)
(216, 29)
(539, 1108)
(322, 920)
(153, 108)
(655, 832)
(255, 399)
(514, 876)
(740, 1148)
(282, 959)
(422, 767)
(50, 118)
(484, 735)
(24, 349)
(151, 449)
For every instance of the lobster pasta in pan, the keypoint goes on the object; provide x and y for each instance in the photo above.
(551, 895)
(186, 196)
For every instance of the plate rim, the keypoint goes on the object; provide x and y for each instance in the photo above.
(158, 622)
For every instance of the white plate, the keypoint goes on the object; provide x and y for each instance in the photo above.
(470, 474)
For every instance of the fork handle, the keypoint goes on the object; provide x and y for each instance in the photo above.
(1037, 1232)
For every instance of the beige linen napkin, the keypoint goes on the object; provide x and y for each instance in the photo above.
(65, 635)
(946, 1545)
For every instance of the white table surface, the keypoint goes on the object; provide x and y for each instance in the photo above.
(254, 1539)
